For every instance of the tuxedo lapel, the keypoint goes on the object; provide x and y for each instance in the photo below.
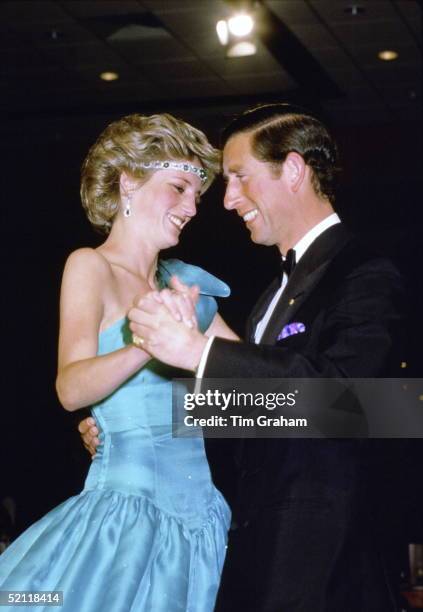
(291, 300)
(306, 275)
(260, 308)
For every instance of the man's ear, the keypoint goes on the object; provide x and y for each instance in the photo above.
(295, 170)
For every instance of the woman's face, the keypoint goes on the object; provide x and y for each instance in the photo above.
(165, 203)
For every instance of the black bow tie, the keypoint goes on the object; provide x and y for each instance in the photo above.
(288, 264)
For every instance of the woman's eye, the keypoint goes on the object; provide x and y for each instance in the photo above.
(179, 189)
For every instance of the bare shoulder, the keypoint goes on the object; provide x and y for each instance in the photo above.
(84, 291)
(87, 257)
(89, 264)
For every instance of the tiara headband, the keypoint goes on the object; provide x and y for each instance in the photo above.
(159, 165)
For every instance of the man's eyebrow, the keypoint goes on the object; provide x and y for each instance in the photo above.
(232, 169)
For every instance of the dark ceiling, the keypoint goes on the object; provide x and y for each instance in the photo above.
(168, 56)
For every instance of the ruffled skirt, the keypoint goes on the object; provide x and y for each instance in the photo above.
(108, 551)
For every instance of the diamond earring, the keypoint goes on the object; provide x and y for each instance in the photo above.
(127, 212)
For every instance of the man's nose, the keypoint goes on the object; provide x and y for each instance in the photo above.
(231, 198)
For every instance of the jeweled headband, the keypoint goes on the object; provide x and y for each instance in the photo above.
(157, 165)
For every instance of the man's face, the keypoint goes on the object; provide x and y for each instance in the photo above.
(258, 196)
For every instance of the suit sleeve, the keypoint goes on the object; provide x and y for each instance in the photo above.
(355, 334)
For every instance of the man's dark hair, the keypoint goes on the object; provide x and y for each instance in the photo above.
(278, 129)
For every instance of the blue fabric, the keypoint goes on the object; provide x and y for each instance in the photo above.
(193, 275)
(148, 532)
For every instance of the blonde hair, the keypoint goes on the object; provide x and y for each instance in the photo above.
(129, 142)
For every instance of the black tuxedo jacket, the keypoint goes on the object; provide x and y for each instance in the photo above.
(350, 302)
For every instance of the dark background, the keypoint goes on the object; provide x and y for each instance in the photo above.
(47, 128)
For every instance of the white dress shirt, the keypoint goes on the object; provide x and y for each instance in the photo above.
(300, 248)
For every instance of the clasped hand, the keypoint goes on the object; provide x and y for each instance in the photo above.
(165, 325)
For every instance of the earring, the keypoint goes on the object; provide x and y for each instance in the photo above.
(127, 212)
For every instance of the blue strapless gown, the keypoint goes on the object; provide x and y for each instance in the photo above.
(148, 532)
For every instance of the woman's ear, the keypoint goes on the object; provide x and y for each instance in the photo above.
(127, 184)
(295, 170)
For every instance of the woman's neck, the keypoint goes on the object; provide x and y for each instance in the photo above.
(132, 252)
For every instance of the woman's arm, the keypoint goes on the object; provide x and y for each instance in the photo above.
(84, 378)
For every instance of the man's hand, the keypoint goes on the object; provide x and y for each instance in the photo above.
(89, 434)
(173, 340)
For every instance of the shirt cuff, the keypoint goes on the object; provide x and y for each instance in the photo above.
(203, 360)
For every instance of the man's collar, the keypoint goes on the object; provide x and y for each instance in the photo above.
(303, 244)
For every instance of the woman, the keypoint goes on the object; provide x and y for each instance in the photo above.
(148, 531)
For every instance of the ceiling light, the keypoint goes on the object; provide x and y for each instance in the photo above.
(54, 35)
(236, 35)
(222, 31)
(241, 25)
(109, 76)
(354, 10)
(243, 48)
(387, 55)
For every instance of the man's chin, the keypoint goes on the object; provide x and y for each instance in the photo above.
(256, 238)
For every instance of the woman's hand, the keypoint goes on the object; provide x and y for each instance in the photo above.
(180, 301)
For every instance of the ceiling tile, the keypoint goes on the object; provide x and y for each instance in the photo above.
(348, 79)
(313, 35)
(50, 33)
(17, 63)
(204, 46)
(412, 13)
(162, 7)
(183, 69)
(98, 8)
(162, 50)
(32, 11)
(291, 11)
(88, 54)
(399, 73)
(333, 58)
(384, 32)
(333, 11)
(263, 62)
(345, 114)
(198, 88)
(258, 83)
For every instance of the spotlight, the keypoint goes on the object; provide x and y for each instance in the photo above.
(109, 76)
(242, 48)
(222, 32)
(387, 55)
(241, 25)
(236, 34)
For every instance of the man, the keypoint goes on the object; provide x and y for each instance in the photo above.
(302, 537)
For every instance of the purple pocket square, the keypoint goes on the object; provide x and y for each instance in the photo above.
(291, 329)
